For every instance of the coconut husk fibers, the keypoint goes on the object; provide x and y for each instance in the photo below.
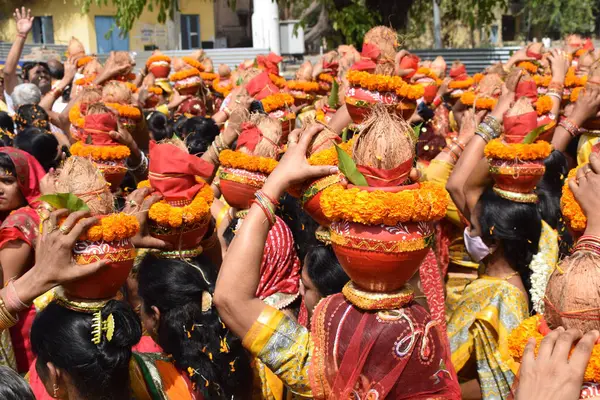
(272, 132)
(90, 95)
(323, 140)
(305, 71)
(79, 176)
(248, 74)
(490, 85)
(386, 39)
(116, 92)
(522, 106)
(92, 68)
(575, 289)
(224, 71)
(385, 140)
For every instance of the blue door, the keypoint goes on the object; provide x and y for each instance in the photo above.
(114, 42)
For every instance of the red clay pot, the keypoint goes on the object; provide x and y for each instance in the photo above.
(113, 174)
(106, 282)
(381, 258)
(311, 197)
(160, 71)
(189, 90)
(238, 186)
(183, 238)
(517, 176)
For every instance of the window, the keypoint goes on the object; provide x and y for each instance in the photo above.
(190, 32)
(508, 28)
(43, 30)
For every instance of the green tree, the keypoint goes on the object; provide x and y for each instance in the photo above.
(562, 16)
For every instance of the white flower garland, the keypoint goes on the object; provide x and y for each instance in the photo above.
(539, 280)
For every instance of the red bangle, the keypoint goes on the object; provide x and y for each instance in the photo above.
(275, 202)
(22, 35)
(437, 101)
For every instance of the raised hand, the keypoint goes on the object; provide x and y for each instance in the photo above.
(559, 64)
(138, 203)
(587, 104)
(24, 20)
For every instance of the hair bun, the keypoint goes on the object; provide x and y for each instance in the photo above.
(128, 330)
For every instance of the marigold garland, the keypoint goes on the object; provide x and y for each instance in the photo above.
(483, 102)
(224, 90)
(542, 80)
(131, 87)
(164, 214)
(193, 63)
(528, 66)
(86, 80)
(464, 84)
(184, 74)
(384, 83)
(325, 78)
(104, 153)
(570, 208)
(156, 58)
(208, 76)
(83, 61)
(155, 90)
(497, 149)
(126, 111)
(530, 328)
(580, 52)
(303, 86)
(575, 94)
(572, 80)
(428, 73)
(278, 81)
(75, 116)
(543, 105)
(427, 203)
(329, 156)
(277, 101)
(113, 227)
(478, 77)
(144, 184)
(239, 160)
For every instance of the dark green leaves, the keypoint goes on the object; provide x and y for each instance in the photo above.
(334, 100)
(531, 136)
(348, 168)
(65, 200)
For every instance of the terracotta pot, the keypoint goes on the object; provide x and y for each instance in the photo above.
(301, 98)
(311, 197)
(381, 258)
(359, 102)
(152, 101)
(106, 282)
(188, 90)
(159, 71)
(238, 186)
(187, 237)
(113, 173)
(517, 176)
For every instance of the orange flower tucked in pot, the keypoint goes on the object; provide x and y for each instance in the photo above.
(277, 101)
(126, 111)
(543, 105)
(528, 66)
(239, 160)
(104, 153)
(517, 151)
(329, 156)
(113, 227)
(570, 208)
(303, 86)
(167, 215)
(482, 102)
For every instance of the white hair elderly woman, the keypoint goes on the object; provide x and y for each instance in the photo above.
(25, 93)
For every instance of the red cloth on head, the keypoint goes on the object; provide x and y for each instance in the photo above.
(527, 89)
(362, 355)
(97, 127)
(410, 61)
(279, 282)
(29, 172)
(261, 86)
(516, 127)
(459, 71)
(173, 171)
(533, 55)
(379, 177)
(249, 137)
(269, 62)
(368, 58)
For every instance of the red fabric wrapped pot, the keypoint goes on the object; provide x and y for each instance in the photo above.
(238, 186)
(359, 102)
(186, 237)
(106, 282)
(380, 258)
(311, 196)
(113, 173)
(517, 176)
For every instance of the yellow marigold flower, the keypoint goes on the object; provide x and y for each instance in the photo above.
(497, 149)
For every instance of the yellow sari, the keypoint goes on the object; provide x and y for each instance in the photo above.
(489, 309)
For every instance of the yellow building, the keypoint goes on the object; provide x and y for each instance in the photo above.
(58, 20)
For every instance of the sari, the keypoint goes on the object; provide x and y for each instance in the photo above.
(21, 225)
(489, 309)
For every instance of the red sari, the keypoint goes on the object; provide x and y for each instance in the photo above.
(22, 225)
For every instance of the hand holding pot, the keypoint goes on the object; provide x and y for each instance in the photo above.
(587, 104)
(139, 203)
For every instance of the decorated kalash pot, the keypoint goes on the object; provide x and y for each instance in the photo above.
(428, 78)
(485, 95)
(159, 65)
(382, 223)
(275, 103)
(372, 79)
(533, 65)
(245, 170)
(108, 155)
(89, 95)
(516, 160)
(460, 81)
(185, 79)
(222, 85)
(118, 97)
(303, 88)
(81, 186)
(182, 217)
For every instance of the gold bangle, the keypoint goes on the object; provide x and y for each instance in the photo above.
(7, 320)
(222, 213)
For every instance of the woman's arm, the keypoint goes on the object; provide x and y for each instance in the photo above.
(586, 107)
(24, 22)
(15, 257)
(235, 298)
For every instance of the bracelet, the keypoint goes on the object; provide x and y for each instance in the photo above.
(569, 126)
(266, 205)
(12, 298)
(494, 124)
(554, 94)
(453, 155)
(7, 320)
(556, 86)
(486, 138)
(143, 163)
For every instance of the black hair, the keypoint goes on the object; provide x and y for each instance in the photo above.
(41, 144)
(516, 227)
(195, 338)
(158, 125)
(7, 129)
(28, 66)
(324, 270)
(64, 338)
(177, 125)
(199, 133)
(58, 73)
(302, 226)
(7, 164)
(31, 115)
(13, 386)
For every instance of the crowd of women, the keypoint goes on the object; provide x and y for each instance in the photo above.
(378, 227)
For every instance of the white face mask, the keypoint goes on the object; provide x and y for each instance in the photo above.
(475, 246)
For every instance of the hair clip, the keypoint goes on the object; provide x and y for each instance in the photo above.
(206, 301)
(224, 348)
(99, 326)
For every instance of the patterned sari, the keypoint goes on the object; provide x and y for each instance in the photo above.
(489, 309)
(21, 225)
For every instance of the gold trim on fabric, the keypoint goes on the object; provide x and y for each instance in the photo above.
(377, 301)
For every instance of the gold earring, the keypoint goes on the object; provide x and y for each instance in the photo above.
(55, 389)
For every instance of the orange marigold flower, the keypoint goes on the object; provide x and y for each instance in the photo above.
(144, 184)
(75, 116)
(497, 149)
(208, 76)
(575, 94)
(478, 77)
(570, 208)
(303, 86)
(528, 66)
(482, 102)
(329, 156)
(163, 214)
(155, 90)
(126, 111)
(192, 62)
(183, 74)
(277, 101)
(104, 153)
(224, 90)
(464, 84)
(157, 57)
(325, 78)
(542, 80)
(427, 203)
(572, 80)
(113, 227)
(543, 105)
(83, 61)
(239, 160)
(279, 81)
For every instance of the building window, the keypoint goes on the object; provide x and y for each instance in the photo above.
(508, 28)
(190, 32)
(43, 30)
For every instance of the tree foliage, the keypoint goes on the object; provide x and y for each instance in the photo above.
(562, 16)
